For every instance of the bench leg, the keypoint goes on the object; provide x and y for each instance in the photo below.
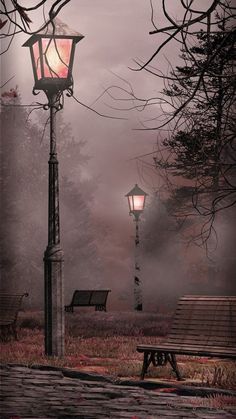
(100, 307)
(172, 360)
(145, 365)
(14, 331)
(4, 333)
(69, 309)
(8, 332)
(147, 359)
(159, 359)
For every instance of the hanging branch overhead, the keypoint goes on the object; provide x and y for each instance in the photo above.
(18, 18)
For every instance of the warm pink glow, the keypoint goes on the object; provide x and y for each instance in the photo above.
(136, 202)
(37, 60)
(56, 57)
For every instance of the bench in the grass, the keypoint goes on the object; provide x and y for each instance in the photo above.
(88, 298)
(10, 305)
(202, 326)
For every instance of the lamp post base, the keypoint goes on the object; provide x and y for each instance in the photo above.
(54, 301)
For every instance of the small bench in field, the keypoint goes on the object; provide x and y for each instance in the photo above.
(88, 298)
(202, 326)
(10, 305)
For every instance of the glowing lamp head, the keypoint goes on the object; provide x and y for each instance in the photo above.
(136, 200)
(52, 54)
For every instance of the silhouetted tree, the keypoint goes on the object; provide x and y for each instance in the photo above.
(179, 30)
(21, 171)
(202, 150)
(24, 182)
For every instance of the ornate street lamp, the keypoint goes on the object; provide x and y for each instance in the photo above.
(52, 54)
(136, 200)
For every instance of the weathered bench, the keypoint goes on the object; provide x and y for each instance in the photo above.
(88, 298)
(10, 305)
(202, 326)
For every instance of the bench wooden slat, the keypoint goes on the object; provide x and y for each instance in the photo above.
(202, 325)
(81, 298)
(212, 319)
(202, 339)
(198, 307)
(202, 313)
(201, 332)
(218, 333)
(207, 298)
(206, 343)
(205, 303)
(200, 310)
(190, 350)
(216, 328)
(98, 297)
(215, 325)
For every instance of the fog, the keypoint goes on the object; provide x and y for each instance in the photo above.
(97, 233)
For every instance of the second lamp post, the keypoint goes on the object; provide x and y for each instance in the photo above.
(136, 200)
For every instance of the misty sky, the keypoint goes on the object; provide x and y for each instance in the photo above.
(115, 34)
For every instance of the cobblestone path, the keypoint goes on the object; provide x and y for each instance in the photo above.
(44, 393)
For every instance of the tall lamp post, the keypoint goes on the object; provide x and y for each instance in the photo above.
(52, 54)
(136, 200)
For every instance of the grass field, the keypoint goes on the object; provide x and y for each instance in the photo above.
(106, 343)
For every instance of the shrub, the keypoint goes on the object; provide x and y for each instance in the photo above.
(31, 323)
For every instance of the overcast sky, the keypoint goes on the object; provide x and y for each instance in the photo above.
(115, 34)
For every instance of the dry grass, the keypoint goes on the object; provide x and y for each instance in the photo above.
(106, 343)
(89, 324)
(94, 341)
(214, 401)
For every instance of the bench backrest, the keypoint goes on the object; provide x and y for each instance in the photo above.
(9, 306)
(205, 321)
(89, 297)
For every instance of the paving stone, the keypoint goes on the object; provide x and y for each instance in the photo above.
(41, 373)
(49, 393)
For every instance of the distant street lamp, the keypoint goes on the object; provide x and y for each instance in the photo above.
(136, 200)
(52, 54)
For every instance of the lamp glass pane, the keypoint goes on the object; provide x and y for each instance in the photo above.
(130, 200)
(56, 57)
(37, 60)
(136, 202)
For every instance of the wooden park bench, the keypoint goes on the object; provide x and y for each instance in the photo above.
(10, 305)
(88, 298)
(202, 326)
